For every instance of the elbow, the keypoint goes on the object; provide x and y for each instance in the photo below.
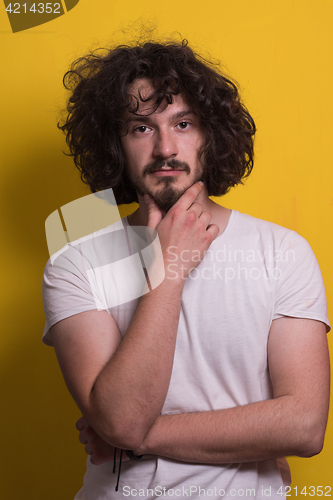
(117, 425)
(311, 440)
(311, 446)
(120, 431)
(310, 450)
(123, 438)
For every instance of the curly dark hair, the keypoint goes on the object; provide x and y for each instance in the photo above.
(94, 122)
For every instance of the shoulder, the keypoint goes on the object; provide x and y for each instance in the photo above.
(71, 257)
(254, 228)
(251, 223)
(69, 286)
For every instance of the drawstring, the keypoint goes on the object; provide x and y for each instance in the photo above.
(114, 460)
(114, 465)
(130, 455)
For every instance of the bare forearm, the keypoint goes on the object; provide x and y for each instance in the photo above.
(129, 393)
(120, 384)
(258, 431)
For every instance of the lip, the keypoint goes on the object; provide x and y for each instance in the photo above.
(166, 173)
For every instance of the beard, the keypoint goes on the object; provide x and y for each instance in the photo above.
(168, 194)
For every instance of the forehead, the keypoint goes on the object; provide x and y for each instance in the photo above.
(143, 88)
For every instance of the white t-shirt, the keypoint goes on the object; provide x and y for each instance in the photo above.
(253, 273)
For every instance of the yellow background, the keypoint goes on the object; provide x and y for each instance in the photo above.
(281, 54)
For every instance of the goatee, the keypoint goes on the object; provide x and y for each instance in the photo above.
(168, 195)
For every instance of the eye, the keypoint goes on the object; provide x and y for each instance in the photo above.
(183, 125)
(141, 130)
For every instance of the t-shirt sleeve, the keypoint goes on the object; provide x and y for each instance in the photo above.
(300, 290)
(66, 290)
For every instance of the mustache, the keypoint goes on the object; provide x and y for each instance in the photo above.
(158, 164)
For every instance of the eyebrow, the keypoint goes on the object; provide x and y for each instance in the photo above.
(146, 118)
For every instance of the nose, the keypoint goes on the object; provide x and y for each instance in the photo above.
(165, 144)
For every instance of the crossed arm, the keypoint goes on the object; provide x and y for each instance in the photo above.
(292, 423)
(120, 385)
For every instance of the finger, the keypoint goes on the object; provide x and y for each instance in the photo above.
(83, 438)
(88, 449)
(190, 195)
(205, 218)
(94, 460)
(214, 230)
(195, 207)
(154, 213)
(81, 423)
(86, 434)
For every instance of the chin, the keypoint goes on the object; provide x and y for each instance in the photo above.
(166, 198)
(166, 194)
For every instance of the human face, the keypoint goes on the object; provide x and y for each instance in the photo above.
(162, 147)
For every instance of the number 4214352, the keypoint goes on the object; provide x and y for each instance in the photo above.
(40, 8)
(311, 491)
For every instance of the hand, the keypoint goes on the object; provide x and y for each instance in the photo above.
(99, 450)
(185, 232)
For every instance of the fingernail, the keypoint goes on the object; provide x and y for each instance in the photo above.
(201, 183)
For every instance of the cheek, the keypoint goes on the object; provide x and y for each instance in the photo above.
(123, 145)
(193, 152)
(130, 158)
(133, 151)
(194, 144)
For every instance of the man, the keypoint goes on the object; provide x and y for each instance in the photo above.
(214, 376)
